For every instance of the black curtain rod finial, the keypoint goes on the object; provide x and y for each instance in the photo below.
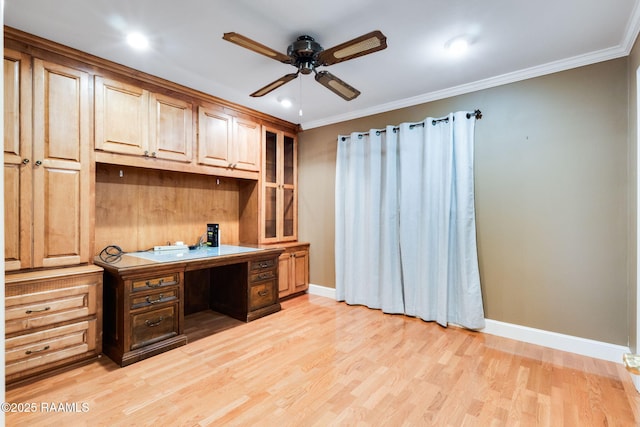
(477, 114)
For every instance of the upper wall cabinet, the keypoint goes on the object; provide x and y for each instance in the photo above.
(246, 144)
(46, 227)
(131, 120)
(228, 142)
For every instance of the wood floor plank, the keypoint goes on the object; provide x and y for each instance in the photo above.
(320, 363)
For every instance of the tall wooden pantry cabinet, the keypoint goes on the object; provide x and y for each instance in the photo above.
(53, 314)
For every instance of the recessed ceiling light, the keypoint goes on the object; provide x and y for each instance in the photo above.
(138, 41)
(285, 103)
(458, 45)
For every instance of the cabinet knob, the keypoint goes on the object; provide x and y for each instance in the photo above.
(153, 154)
(38, 162)
(25, 161)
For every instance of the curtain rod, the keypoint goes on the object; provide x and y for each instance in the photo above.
(477, 114)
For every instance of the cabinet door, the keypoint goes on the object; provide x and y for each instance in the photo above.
(17, 160)
(284, 274)
(121, 117)
(270, 186)
(61, 180)
(214, 137)
(300, 260)
(246, 145)
(279, 213)
(171, 128)
(289, 207)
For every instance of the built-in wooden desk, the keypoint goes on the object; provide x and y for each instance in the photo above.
(144, 294)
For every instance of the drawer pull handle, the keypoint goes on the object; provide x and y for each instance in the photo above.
(151, 324)
(155, 301)
(263, 293)
(40, 310)
(154, 285)
(264, 275)
(264, 264)
(45, 348)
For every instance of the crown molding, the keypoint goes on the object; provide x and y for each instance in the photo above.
(623, 49)
(528, 73)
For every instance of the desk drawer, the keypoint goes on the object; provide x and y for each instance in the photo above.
(41, 348)
(152, 326)
(155, 298)
(262, 275)
(24, 312)
(263, 264)
(262, 295)
(156, 282)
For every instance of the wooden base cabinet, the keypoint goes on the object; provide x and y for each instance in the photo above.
(294, 270)
(53, 319)
(246, 291)
(143, 314)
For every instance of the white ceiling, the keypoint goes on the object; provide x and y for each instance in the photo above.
(512, 40)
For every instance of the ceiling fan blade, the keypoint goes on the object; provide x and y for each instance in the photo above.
(337, 86)
(363, 45)
(247, 43)
(274, 85)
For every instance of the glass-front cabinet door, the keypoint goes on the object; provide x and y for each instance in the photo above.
(270, 185)
(289, 202)
(279, 181)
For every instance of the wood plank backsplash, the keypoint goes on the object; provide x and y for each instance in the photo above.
(138, 208)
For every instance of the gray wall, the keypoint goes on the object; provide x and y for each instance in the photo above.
(551, 198)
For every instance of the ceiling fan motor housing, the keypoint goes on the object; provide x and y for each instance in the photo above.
(303, 53)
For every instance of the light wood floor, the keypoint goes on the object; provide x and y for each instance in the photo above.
(322, 363)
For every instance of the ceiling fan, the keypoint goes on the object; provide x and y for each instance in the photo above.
(307, 55)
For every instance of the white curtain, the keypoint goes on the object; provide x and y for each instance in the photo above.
(367, 242)
(405, 221)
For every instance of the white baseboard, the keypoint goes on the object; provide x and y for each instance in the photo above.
(322, 291)
(583, 346)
